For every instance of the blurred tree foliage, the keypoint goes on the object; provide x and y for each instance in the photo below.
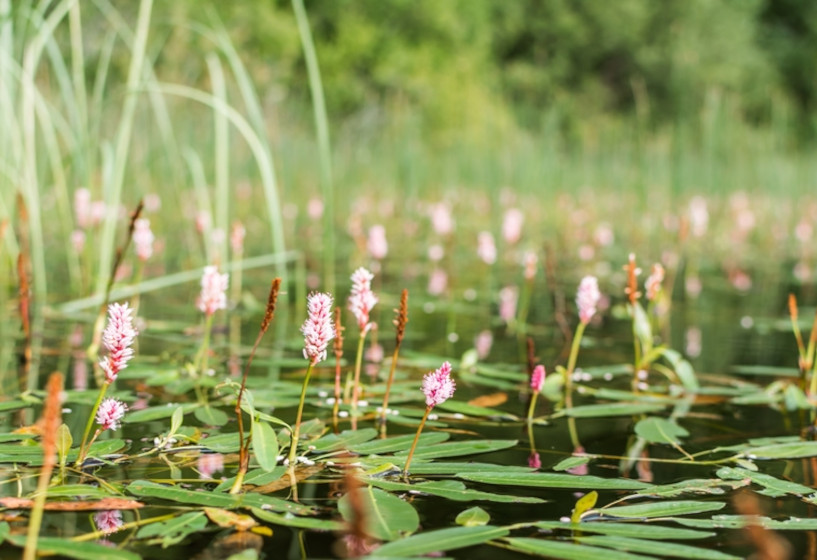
(486, 65)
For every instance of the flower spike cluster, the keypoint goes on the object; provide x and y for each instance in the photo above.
(587, 298)
(438, 386)
(537, 378)
(143, 239)
(213, 288)
(362, 299)
(318, 329)
(110, 413)
(117, 338)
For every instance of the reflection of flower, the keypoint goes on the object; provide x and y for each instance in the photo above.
(108, 521)
(209, 463)
(578, 469)
(318, 329)
(117, 338)
(110, 413)
(438, 386)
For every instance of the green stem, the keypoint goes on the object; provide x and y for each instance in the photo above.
(416, 439)
(388, 390)
(83, 451)
(356, 387)
(574, 433)
(532, 406)
(296, 429)
(571, 364)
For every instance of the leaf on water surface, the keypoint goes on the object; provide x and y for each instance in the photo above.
(228, 519)
(567, 550)
(173, 531)
(554, 480)
(788, 450)
(674, 550)
(584, 503)
(78, 490)
(691, 486)
(620, 395)
(289, 520)
(8, 406)
(96, 505)
(741, 521)
(343, 440)
(571, 462)
(148, 489)
(441, 540)
(460, 448)
(281, 482)
(157, 412)
(612, 409)
(660, 430)
(5, 529)
(211, 416)
(5, 438)
(222, 443)
(70, 549)
(766, 370)
(445, 467)
(473, 517)
(397, 443)
(265, 445)
(450, 489)
(661, 509)
(772, 486)
(637, 529)
(254, 477)
(386, 516)
(474, 410)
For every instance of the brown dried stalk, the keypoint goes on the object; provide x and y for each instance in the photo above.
(769, 544)
(400, 320)
(632, 280)
(52, 417)
(244, 449)
(24, 291)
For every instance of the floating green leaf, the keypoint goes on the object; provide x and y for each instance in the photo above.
(473, 517)
(612, 409)
(387, 517)
(222, 443)
(79, 550)
(157, 412)
(637, 529)
(661, 509)
(460, 448)
(660, 430)
(554, 480)
(441, 540)
(64, 442)
(675, 550)
(567, 550)
(571, 463)
(397, 443)
(264, 445)
(789, 450)
(343, 440)
(289, 520)
(451, 490)
(691, 486)
(772, 486)
(173, 531)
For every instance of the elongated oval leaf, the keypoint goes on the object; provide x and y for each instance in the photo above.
(674, 551)
(387, 517)
(638, 530)
(79, 550)
(661, 509)
(441, 540)
(554, 480)
(613, 409)
(791, 450)
(660, 430)
(460, 448)
(568, 550)
(265, 445)
(397, 443)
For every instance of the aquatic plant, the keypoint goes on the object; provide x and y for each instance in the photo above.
(361, 301)
(438, 387)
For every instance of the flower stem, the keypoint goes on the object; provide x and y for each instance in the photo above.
(532, 406)
(296, 428)
(356, 386)
(571, 364)
(83, 449)
(385, 406)
(416, 439)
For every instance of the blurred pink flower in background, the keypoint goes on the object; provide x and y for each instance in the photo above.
(82, 207)
(153, 202)
(698, 216)
(437, 282)
(530, 261)
(98, 211)
(652, 285)
(604, 235)
(376, 244)
(438, 386)
(202, 222)
(237, 235)
(512, 225)
(362, 299)
(117, 338)
(486, 248)
(78, 240)
(319, 328)
(482, 343)
(694, 341)
(587, 298)
(534, 461)
(213, 288)
(508, 298)
(374, 353)
(436, 252)
(143, 239)
(441, 219)
(314, 208)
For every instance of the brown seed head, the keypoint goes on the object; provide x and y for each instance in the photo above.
(338, 345)
(793, 307)
(401, 317)
(271, 301)
(632, 280)
(52, 415)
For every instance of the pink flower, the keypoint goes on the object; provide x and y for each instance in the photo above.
(534, 461)
(653, 283)
(438, 386)
(143, 239)
(512, 225)
(213, 288)
(208, 464)
(486, 248)
(483, 342)
(117, 338)
(362, 299)
(108, 521)
(530, 261)
(441, 219)
(377, 245)
(587, 298)
(319, 328)
(110, 413)
(437, 282)
(237, 237)
(78, 240)
(82, 207)
(537, 378)
(508, 298)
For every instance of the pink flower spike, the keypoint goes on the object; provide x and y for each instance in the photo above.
(108, 521)
(587, 298)
(537, 378)
(319, 328)
(438, 386)
(117, 338)
(143, 239)
(362, 299)
(110, 413)
(213, 288)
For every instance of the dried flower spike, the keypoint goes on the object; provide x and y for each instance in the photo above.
(362, 299)
(213, 288)
(110, 413)
(438, 386)
(117, 338)
(587, 298)
(318, 329)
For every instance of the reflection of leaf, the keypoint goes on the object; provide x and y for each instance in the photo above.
(488, 401)
(441, 540)
(660, 430)
(386, 517)
(473, 517)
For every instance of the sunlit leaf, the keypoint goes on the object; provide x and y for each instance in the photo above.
(79, 550)
(64, 442)
(172, 531)
(612, 409)
(740, 521)
(451, 490)
(211, 416)
(571, 462)
(586, 502)
(675, 550)
(550, 548)
(289, 520)
(264, 445)
(441, 540)
(397, 443)
(772, 486)
(343, 440)
(473, 517)
(792, 450)
(222, 443)
(460, 448)
(637, 529)
(157, 412)
(386, 516)
(554, 480)
(661, 509)
(474, 410)
(176, 419)
(228, 519)
(683, 369)
(691, 486)
(660, 430)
